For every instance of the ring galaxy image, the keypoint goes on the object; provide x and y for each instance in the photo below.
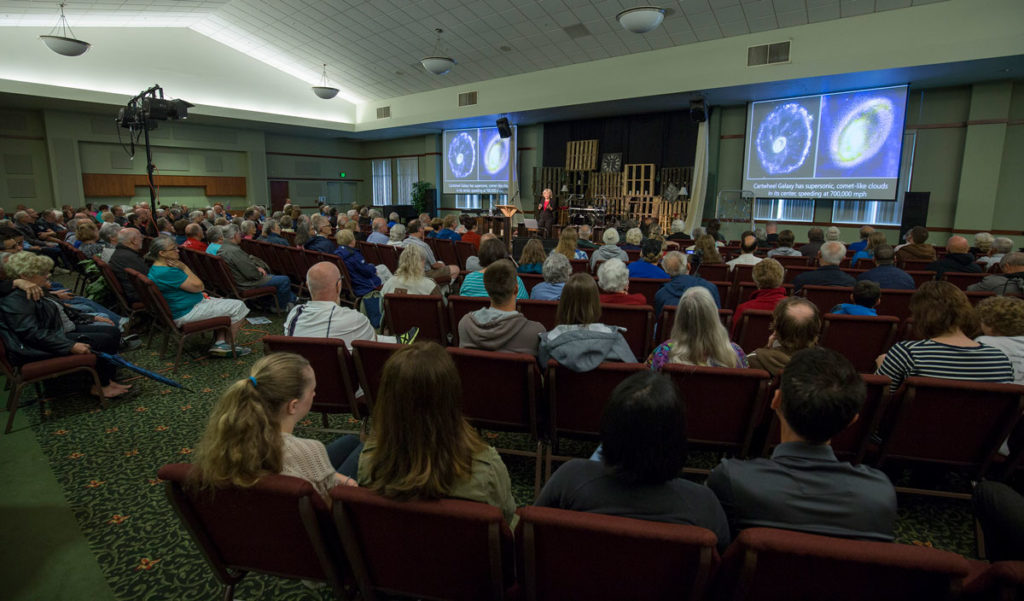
(784, 139)
(462, 156)
(860, 134)
(493, 156)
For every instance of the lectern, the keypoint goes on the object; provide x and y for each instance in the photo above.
(507, 211)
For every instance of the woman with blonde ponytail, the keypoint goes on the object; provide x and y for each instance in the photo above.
(249, 434)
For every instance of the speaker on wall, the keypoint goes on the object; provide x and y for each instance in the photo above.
(698, 111)
(915, 211)
(504, 129)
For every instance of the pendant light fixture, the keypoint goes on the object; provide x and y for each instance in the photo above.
(437, 64)
(324, 90)
(641, 19)
(65, 43)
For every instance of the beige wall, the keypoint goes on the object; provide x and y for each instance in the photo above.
(24, 162)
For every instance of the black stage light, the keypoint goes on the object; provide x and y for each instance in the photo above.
(504, 129)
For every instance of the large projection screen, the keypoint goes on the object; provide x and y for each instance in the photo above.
(477, 161)
(840, 146)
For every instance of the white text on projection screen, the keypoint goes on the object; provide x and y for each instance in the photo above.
(476, 161)
(843, 146)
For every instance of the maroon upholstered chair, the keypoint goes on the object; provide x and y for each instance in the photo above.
(577, 555)
(195, 262)
(792, 261)
(638, 320)
(464, 250)
(369, 251)
(725, 297)
(459, 307)
(441, 549)
(765, 564)
(388, 254)
(895, 302)
(580, 265)
(540, 311)
(715, 272)
(369, 358)
(859, 338)
(999, 581)
(280, 526)
(963, 280)
(445, 252)
(914, 264)
(336, 379)
(952, 422)
(976, 296)
(222, 274)
(126, 308)
(794, 270)
(646, 286)
(426, 312)
(921, 276)
(754, 329)
(826, 297)
(530, 280)
(742, 273)
(723, 405)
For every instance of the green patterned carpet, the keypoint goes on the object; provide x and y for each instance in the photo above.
(106, 462)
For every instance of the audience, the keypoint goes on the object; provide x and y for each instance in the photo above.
(108, 238)
(194, 238)
(435, 270)
(633, 238)
(677, 231)
(885, 274)
(126, 256)
(830, 255)
(379, 235)
(803, 486)
(438, 454)
(610, 250)
(747, 247)
(706, 251)
(713, 230)
(396, 237)
(251, 272)
(1002, 326)
(785, 249)
(320, 231)
(866, 296)
(448, 228)
(214, 239)
(584, 242)
(491, 251)
(647, 266)
(815, 238)
(88, 239)
(795, 326)
(471, 234)
(579, 341)
(409, 277)
(862, 243)
(767, 275)
(982, 244)
(322, 316)
(1000, 248)
(1009, 281)
(832, 234)
(272, 233)
(698, 336)
(500, 327)
(643, 451)
(365, 276)
(674, 264)
(613, 278)
(957, 259)
(532, 258)
(916, 249)
(945, 322)
(557, 270)
(568, 243)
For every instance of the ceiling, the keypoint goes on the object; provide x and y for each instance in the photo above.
(372, 48)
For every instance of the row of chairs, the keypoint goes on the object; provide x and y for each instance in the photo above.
(464, 551)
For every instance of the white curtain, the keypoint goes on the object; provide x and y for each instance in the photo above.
(699, 186)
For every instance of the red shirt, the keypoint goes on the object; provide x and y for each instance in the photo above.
(473, 238)
(616, 298)
(194, 244)
(761, 300)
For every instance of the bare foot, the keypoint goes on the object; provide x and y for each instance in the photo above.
(118, 384)
(113, 390)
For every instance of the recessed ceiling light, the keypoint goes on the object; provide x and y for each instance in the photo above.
(641, 19)
(505, 48)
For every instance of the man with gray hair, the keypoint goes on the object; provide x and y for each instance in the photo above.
(1010, 281)
(393, 219)
(126, 256)
(108, 238)
(379, 235)
(674, 264)
(1000, 246)
(250, 272)
(830, 255)
(815, 238)
(584, 234)
(678, 231)
(832, 234)
(557, 270)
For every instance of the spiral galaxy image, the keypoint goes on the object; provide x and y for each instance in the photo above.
(494, 156)
(860, 134)
(462, 156)
(784, 139)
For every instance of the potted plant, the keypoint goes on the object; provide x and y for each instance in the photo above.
(419, 196)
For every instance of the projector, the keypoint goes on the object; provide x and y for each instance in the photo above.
(160, 109)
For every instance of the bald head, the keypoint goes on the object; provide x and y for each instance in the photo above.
(957, 244)
(323, 281)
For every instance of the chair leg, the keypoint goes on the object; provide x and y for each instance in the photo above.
(229, 335)
(537, 468)
(12, 405)
(177, 358)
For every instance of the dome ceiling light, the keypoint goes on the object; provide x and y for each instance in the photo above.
(324, 90)
(641, 19)
(437, 64)
(64, 44)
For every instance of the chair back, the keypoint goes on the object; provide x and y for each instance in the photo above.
(464, 250)
(638, 320)
(279, 526)
(723, 405)
(765, 564)
(794, 270)
(151, 296)
(195, 260)
(112, 282)
(742, 273)
(440, 549)
(754, 329)
(459, 307)
(388, 256)
(953, 422)
(895, 302)
(580, 265)
(714, 272)
(576, 400)
(445, 252)
(336, 380)
(976, 296)
(826, 297)
(426, 312)
(914, 264)
(530, 280)
(369, 358)
(646, 286)
(369, 251)
(540, 311)
(859, 338)
(568, 555)
(920, 276)
(510, 407)
(725, 297)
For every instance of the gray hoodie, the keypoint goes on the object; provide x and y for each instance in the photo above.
(583, 348)
(606, 252)
(489, 329)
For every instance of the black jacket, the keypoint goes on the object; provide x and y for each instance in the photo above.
(33, 330)
(956, 263)
(126, 258)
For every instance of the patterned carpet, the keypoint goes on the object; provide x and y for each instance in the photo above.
(106, 462)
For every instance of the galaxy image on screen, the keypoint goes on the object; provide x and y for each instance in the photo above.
(476, 160)
(493, 156)
(785, 137)
(861, 133)
(462, 161)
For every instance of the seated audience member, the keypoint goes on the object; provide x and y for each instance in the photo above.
(379, 235)
(647, 266)
(957, 259)
(214, 239)
(438, 454)
(785, 248)
(249, 433)
(1000, 248)
(815, 238)
(714, 230)
(251, 272)
(287, 224)
(436, 270)
(982, 244)
(532, 258)
(698, 336)
(320, 231)
(916, 249)
(38, 240)
(579, 341)
(1010, 281)
(677, 231)
(747, 247)
(183, 291)
(500, 327)
(408, 277)
(568, 245)
(803, 486)
(942, 314)
(772, 232)
(832, 234)
(393, 218)
(866, 296)
(830, 256)
(875, 240)
(448, 225)
(272, 233)
(248, 230)
(613, 278)
(610, 250)
(491, 251)
(862, 244)
(365, 276)
(768, 276)
(584, 233)
(761, 235)
(471, 234)
(633, 238)
(194, 238)
(795, 326)
(322, 316)
(1002, 327)
(674, 264)
(1000, 511)
(643, 451)
(35, 329)
(396, 235)
(356, 228)
(885, 274)
(557, 270)
(108, 238)
(706, 252)
(125, 256)
(89, 239)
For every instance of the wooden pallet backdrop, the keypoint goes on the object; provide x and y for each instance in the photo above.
(581, 155)
(638, 179)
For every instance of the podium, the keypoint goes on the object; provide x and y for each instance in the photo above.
(507, 211)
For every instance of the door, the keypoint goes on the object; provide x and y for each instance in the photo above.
(278, 195)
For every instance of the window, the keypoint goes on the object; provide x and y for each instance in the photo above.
(868, 212)
(408, 173)
(381, 170)
(467, 201)
(783, 209)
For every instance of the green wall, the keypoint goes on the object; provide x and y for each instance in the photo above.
(24, 161)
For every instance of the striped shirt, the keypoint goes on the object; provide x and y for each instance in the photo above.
(932, 359)
(473, 285)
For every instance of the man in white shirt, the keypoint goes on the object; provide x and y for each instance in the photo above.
(747, 247)
(322, 316)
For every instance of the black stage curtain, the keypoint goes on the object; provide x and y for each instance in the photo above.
(665, 139)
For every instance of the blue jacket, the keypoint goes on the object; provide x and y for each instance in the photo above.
(826, 275)
(364, 275)
(320, 245)
(889, 277)
(643, 269)
(674, 288)
(852, 309)
(447, 234)
(275, 239)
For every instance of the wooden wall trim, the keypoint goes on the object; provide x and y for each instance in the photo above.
(344, 158)
(123, 185)
(315, 179)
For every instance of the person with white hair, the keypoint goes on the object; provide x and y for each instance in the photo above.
(677, 231)
(1000, 246)
(556, 270)
(397, 235)
(613, 279)
(830, 255)
(393, 218)
(584, 232)
(610, 250)
(674, 264)
(1010, 281)
(832, 234)
(634, 236)
(379, 235)
(214, 239)
(698, 336)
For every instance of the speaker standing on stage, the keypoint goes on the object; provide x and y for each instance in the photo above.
(546, 212)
